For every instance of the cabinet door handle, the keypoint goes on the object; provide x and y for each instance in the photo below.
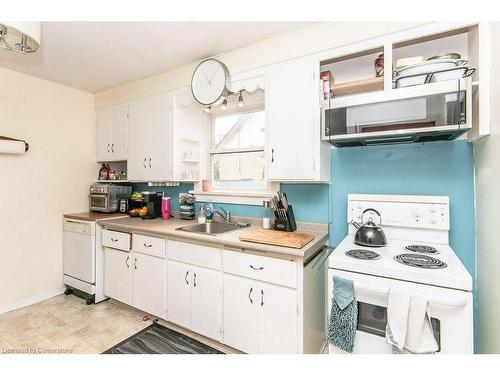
(126, 261)
(272, 155)
(261, 297)
(108, 147)
(135, 263)
(149, 162)
(114, 239)
(147, 245)
(256, 268)
(144, 162)
(112, 147)
(250, 295)
(194, 280)
(186, 278)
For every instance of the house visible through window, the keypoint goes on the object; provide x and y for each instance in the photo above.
(237, 152)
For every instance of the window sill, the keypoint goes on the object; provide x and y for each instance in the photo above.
(253, 198)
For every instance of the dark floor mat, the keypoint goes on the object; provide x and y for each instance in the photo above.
(157, 339)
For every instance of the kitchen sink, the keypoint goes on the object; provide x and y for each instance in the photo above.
(212, 229)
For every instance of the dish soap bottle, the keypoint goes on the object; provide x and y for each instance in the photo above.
(202, 219)
(209, 212)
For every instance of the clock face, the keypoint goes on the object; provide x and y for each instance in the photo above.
(210, 80)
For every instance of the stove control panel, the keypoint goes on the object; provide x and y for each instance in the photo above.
(402, 211)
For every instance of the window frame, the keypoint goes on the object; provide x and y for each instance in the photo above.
(266, 186)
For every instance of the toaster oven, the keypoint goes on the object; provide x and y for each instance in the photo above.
(106, 197)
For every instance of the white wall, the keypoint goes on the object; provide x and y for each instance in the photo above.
(308, 40)
(38, 187)
(487, 163)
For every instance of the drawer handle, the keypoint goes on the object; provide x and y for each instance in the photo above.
(261, 297)
(114, 239)
(146, 245)
(256, 268)
(186, 278)
(126, 261)
(250, 295)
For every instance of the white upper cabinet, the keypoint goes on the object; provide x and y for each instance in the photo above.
(112, 134)
(150, 139)
(294, 148)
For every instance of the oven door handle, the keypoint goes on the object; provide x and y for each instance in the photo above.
(451, 302)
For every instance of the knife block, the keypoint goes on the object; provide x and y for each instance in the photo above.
(287, 224)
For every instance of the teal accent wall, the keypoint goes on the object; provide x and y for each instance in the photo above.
(309, 202)
(440, 168)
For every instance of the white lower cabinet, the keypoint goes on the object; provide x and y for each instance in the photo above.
(240, 314)
(206, 306)
(178, 294)
(277, 319)
(259, 317)
(148, 284)
(194, 298)
(135, 279)
(249, 302)
(117, 275)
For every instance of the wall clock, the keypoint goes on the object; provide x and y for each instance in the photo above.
(210, 82)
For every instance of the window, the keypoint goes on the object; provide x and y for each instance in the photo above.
(237, 150)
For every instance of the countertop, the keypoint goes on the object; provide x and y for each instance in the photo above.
(168, 228)
(95, 216)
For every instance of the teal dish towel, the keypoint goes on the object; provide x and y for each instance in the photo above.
(343, 315)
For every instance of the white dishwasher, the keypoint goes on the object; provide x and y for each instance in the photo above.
(79, 261)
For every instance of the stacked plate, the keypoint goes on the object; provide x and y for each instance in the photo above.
(434, 69)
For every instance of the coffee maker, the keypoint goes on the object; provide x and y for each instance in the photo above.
(152, 200)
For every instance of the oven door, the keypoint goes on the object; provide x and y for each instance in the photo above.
(451, 313)
(99, 202)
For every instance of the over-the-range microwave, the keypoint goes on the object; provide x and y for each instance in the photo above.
(430, 112)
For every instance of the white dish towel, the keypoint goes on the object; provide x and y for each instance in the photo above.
(409, 327)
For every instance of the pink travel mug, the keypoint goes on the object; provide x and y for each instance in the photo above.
(165, 208)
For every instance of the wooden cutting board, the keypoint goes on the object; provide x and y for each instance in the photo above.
(278, 238)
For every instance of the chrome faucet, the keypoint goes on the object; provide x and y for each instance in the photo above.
(225, 214)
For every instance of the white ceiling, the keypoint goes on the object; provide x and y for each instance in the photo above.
(93, 56)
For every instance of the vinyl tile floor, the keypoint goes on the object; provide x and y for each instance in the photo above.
(66, 325)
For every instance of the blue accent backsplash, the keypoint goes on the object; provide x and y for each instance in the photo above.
(441, 168)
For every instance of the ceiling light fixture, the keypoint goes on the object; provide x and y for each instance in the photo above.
(224, 105)
(22, 37)
(241, 103)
